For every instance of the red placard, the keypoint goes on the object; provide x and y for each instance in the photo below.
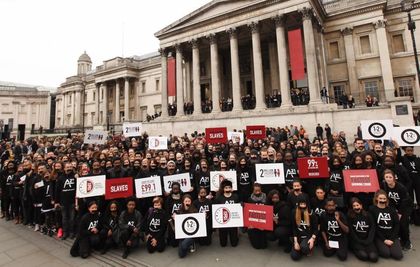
(361, 181)
(297, 63)
(119, 188)
(255, 132)
(216, 135)
(171, 76)
(258, 216)
(313, 167)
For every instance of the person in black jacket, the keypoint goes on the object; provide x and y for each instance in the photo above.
(412, 164)
(37, 191)
(362, 232)
(155, 227)
(257, 237)
(88, 234)
(387, 226)
(17, 192)
(117, 171)
(172, 206)
(245, 179)
(109, 232)
(6, 178)
(130, 227)
(187, 243)
(203, 205)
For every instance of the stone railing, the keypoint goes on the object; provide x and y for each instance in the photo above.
(333, 6)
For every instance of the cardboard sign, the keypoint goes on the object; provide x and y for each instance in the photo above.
(158, 142)
(216, 135)
(361, 181)
(376, 129)
(270, 173)
(95, 137)
(227, 215)
(190, 225)
(183, 179)
(90, 186)
(119, 188)
(148, 187)
(407, 136)
(217, 177)
(313, 167)
(236, 137)
(132, 129)
(255, 132)
(258, 216)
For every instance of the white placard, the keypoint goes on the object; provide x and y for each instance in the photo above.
(183, 179)
(376, 129)
(333, 244)
(190, 225)
(23, 178)
(236, 137)
(95, 137)
(39, 184)
(407, 136)
(217, 177)
(227, 215)
(158, 142)
(148, 187)
(132, 129)
(90, 186)
(270, 173)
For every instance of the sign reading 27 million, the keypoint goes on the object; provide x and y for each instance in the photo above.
(270, 173)
(132, 129)
(95, 137)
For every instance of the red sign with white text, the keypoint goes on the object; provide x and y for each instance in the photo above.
(255, 132)
(361, 181)
(258, 216)
(313, 167)
(216, 135)
(119, 188)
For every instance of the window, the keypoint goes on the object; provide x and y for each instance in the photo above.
(94, 96)
(157, 85)
(122, 117)
(338, 92)
(365, 45)
(102, 93)
(143, 87)
(132, 91)
(405, 87)
(398, 43)
(143, 113)
(69, 99)
(121, 93)
(371, 89)
(334, 50)
(158, 108)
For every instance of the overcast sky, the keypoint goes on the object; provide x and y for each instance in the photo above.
(41, 40)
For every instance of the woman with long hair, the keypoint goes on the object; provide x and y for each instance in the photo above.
(187, 243)
(109, 233)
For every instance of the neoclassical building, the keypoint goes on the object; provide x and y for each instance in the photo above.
(257, 48)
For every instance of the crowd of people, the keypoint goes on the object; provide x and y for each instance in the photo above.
(38, 184)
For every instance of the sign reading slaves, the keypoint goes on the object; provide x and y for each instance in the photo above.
(216, 135)
(217, 177)
(361, 180)
(90, 186)
(158, 142)
(313, 167)
(119, 188)
(95, 137)
(255, 132)
(376, 129)
(132, 129)
(190, 225)
(148, 187)
(227, 215)
(270, 173)
(407, 136)
(183, 179)
(258, 216)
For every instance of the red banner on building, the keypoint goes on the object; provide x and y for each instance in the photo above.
(297, 63)
(119, 188)
(258, 216)
(313, 167)
(361, 181)
(171, 76)
(255, 132)
(216, 135)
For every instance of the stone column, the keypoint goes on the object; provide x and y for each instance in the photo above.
(386, 68)
(215, 77)
(351, 60)
(188, 79)
(196, 76)
(73, 109)
(236, 79)
(97, 109)
(282, 58)
(258, 67)
(274, 67)
(117, 102)
(78, 104)
(29, 118)
(311, 65)
(127, 99)
(104, 103)
(63, 107)
(164, 82)
(179, 82)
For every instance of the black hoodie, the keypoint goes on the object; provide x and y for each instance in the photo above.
(65, 190)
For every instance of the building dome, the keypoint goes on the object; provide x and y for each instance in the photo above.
(85, 58)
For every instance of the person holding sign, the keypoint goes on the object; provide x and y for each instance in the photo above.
(109, 227)
(187, 243)
(203, 205)
(172, 206)
(37, 190)
(155, 226)
(130, 226)
(257, 237)
(334, 230)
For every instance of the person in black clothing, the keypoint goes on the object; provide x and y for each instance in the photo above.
(202, 177)
(27, 202)
(117, 171)
(172, 205)
(335, 183)
(6, 179)
(17, 192)
(305, 230)
(37, 190)
(401, 201)
(187, 243)
(109, 232)
(257, 237)
(130, 226)
(290, 172)
(318, 202)
(296, 194)
(155, 227)
(88, 234)
(203, 204)
(245, 179)
(362, 232)
(412, 164)
(387, 225)
(334, 229)
(319, 131)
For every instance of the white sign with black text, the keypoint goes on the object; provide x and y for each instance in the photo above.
(407, 136)
(183, 179)
(95, 137)
(217, 177)
(376, 129)
(158, 142)
(132, 129)
(236, 137)
(190, 225)
(90, 186)
(270, 173)
(227, 215)
(148, 187)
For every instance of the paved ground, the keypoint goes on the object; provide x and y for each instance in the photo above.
(20, 246)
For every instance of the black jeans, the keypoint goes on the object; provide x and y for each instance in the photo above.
(68, 215)
(233, 235)
(304, 249)
(394, 251)
(341, 251)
